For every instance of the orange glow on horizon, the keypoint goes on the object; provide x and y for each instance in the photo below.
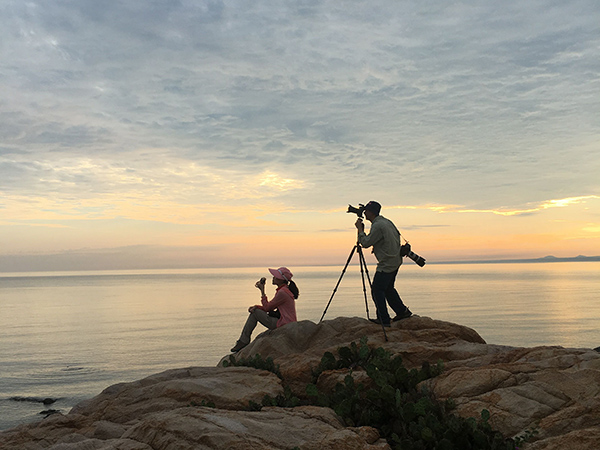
(234, 235)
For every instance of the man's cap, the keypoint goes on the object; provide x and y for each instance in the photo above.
(373, 206)
(283, 273)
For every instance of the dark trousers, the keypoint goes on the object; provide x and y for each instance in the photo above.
(258, 315)
(383, 289)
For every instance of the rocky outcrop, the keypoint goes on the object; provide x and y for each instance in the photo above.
(170, 411)
(300, 348)
(551, 389)
(227, 388)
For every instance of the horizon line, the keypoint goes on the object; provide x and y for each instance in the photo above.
(545, 259)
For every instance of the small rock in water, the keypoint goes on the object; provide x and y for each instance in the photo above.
(45, 401)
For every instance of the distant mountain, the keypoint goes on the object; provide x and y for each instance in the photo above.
(545, 259)
(551, 258)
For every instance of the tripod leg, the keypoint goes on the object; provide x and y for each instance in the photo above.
(363, 266)
(339, 281)
(366, 269)
(364, 263)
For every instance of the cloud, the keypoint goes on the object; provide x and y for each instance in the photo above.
(508, 211)
(168, 108)
(277, 182)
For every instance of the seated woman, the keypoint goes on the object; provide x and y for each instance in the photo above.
(284, 302)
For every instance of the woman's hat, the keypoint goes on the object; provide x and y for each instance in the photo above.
(283, 273)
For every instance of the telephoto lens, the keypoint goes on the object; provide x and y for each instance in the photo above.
(419, 260)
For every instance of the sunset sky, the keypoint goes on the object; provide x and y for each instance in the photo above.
(169, 134)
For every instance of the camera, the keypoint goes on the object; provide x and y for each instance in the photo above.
(358, 211)
(406, 251)
(419, 260)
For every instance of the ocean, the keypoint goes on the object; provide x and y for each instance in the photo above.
(67, 336)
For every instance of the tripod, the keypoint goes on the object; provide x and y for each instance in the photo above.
(363, 270)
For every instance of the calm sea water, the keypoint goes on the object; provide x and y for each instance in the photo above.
(67, 336)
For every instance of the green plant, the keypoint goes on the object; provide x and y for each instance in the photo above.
(408, 417)
(527, 436)
(205, 403)
(285, 400)
(253, 406)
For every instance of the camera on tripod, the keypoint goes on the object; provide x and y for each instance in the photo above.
(358, 211)
(404, 249)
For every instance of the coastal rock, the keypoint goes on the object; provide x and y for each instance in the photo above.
(298, 347)
(309, 428)
(226, 388)
(191, 428)
(45, 401)
(552, 390)
(165, 411)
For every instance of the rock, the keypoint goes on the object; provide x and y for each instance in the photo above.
(45, 401)
(271, 428)
(42, 435)
(300, 347)
(575, 440)
(164, 411)
(105, 430)
(228, 388)
(551, 389)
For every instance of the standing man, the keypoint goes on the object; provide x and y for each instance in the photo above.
(385, 239)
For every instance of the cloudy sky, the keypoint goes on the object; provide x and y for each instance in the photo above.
(193, 133)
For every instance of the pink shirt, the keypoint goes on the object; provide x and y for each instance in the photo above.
(283, 301)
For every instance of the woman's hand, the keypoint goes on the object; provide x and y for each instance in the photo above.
(252, 308)
(260, 285)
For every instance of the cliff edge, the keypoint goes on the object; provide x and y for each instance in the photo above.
(554, 390)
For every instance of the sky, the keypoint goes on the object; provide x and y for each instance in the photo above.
(172, 134)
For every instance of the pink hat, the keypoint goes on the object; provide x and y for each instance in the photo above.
(283, 273)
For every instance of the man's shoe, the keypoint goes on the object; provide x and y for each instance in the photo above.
(238, 346)
(404, 315)
(378, 322)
